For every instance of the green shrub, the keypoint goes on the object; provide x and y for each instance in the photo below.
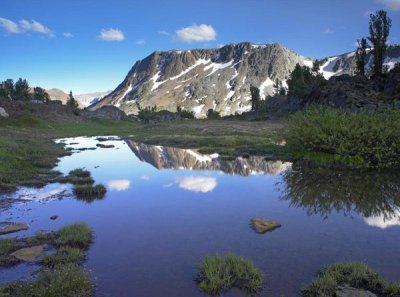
(76, 235)
(356, 275)
(219, 274)
(65, 255)
(213, 115)
(366, 139)
(80, 172)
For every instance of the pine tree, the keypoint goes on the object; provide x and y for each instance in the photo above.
(21, 90)
(361, 54)
(40, 94)
(379, 28)
(71, 101)
(7, 89)
(315, 67)
(255, 98)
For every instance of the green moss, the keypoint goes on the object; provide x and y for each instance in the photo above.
(219, 274)
(76, 235)
(356, 275)
(64, 281)
(63, 256)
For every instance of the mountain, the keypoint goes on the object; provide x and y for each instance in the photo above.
(84, 100)
(175, 158)
(218, 79)
(201, 79)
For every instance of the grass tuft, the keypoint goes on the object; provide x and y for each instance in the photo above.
(63, 256)
(219, 274)
(89, 193)
(75, 236)
(7, 246)
(356, 275)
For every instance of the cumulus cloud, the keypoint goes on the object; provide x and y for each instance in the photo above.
(25, 26)
(197, 184)
(391, 4)
(119, 184)
(68, 35)
(140, 42)
(328, 31)
(111, 35)
(196, 33)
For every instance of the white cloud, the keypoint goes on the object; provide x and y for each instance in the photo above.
(9, 26)
(382, 223)
(111, 35)
(68, 35)
(140, 42)
(164, 33)
(145, 177)
(367, 13)
(119, 184)
(391, 4)
(197, 183)
(196, 33)
(328, 31)
(25, 26)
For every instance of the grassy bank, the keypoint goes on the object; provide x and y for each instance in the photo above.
(28, 153)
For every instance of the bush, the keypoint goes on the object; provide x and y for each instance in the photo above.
(213, 115)
(366, 139)
(76, 235)
(356, 275)
(219, 274)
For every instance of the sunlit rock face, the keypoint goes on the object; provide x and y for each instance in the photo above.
(176, 158)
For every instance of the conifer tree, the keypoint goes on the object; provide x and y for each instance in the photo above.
(361, 54)
(71, 101)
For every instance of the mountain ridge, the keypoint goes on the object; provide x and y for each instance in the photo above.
(219, 79)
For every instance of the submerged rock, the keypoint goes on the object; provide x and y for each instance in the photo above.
(29, 254)
(53, 218)
(263, 226)
(13, 227)
(347, 291)
(105, 145)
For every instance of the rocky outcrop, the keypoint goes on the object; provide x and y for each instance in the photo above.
(354, 92)
(106, 112)
(176, 158)
(346, 291)
(198, 80)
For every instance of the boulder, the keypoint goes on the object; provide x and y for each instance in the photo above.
(29, 254)
(106, 112)
(3, 113)
(346, 291)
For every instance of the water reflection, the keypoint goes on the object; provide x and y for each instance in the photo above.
(176, 158)
(119, 185)
(374, 195)
(197, 184)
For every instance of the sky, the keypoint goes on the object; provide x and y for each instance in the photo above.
(90, 45)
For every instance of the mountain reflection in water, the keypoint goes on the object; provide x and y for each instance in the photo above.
(177, 158)
(374, 195)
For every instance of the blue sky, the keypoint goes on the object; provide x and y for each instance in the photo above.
(88, 45)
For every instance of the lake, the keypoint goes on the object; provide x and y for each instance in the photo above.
(167, 208)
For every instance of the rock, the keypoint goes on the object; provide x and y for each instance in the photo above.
(29, 254)
(263, 226)
(107, 112)
(53, 218)
(346, 291)
(3, 113)
(13, 227)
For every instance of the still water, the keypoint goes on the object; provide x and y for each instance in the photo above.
(166, 208)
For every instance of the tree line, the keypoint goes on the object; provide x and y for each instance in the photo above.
(21, 91)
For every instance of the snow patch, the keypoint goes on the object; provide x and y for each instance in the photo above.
(217, 66)
(198, 63)
(268, 83)
(157, 84)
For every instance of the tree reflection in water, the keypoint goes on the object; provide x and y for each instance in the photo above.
(322, 191)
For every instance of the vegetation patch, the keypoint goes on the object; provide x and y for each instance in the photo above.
(76, 235)
(7, 246)
(63, 256)
(219, 274)
(89, 193)
(364, 139)
(63, 281)
(356, 275)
